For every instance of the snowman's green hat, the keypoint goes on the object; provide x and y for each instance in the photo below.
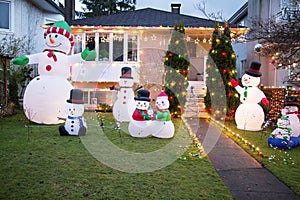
(62, 28)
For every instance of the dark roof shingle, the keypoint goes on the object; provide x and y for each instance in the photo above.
(147, 17)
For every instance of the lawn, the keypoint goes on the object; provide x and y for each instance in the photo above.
(285, 164)
(37, 163)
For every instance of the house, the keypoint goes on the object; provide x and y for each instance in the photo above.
(24, 18)
(281, 10)
(138, 39)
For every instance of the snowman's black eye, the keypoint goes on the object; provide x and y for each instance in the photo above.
(69, 109)
(162, 102)
(56, 36)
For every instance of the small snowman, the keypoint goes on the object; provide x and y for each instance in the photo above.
(45, 95)
(75, 124)
(163, 126)
(140, 124)
(291, 111)
(249, 114)
(124, 106)
(282, 131)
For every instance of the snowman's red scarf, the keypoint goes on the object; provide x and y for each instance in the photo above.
(52, 54)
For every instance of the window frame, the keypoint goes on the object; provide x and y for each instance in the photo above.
(111, 43)
(10, 16)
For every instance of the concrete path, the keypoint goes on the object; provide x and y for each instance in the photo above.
(242, 174)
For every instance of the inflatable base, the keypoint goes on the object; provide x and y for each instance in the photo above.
(284, 144)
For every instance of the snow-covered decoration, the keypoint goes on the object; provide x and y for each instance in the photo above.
(140, 124)
(163, 126)
(45, 95)
(75, 124)
(124, 106)
(249, 114)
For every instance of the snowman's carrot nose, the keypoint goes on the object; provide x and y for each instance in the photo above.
(52, 41)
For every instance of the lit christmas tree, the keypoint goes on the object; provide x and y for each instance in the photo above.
(221, 99)
(176, 70)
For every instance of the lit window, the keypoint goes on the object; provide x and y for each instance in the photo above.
(132, 48)
(103, 47)
(118, 47)
(78, 44)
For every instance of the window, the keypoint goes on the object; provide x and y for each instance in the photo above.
(90, 41)
(78, 44)
(108, 46)
(118, 47)
(5, 15)
(104, 46)
(132, 48)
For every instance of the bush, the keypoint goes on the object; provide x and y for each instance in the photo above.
(8, 110)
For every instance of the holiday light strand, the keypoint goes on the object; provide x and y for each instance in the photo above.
(284, 158)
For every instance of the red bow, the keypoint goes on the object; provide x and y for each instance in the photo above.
(52, 54)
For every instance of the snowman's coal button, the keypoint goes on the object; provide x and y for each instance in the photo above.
(72, 122)
(244, 99)
(48, 68)
(72, 130)
(72, 126)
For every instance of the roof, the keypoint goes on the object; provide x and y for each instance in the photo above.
(147, 17)
(239, 15)
(49, 6)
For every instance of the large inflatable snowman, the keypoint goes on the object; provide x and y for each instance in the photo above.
(163, 126)
(75, 124)
(249, 114)
(124, 106)
(291, 111)
(140, 124)
(45, 95)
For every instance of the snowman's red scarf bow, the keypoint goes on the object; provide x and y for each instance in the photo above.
(289, 113)
(52, 54)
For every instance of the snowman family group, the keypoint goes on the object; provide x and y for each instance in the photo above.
(143, 122)
(287, 133)
(45, 96)
(250, 115)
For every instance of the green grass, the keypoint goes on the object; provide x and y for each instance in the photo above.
(37, 163)
(285, 164)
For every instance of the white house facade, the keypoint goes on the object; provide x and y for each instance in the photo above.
(263, 10)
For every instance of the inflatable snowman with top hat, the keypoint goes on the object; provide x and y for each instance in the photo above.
(75, 124)
(45, 95)
(124, 106)
(140, 124)
(163, 126)
(249, 114)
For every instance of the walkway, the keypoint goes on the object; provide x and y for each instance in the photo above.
(242, 174)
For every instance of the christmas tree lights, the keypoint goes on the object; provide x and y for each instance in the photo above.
(176, 70)
(221, 99)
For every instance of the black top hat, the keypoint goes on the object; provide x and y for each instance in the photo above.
(126, 72)
(291, 101)
(254, 69)
(143, 95)
(76, 96)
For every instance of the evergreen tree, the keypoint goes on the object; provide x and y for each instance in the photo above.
(106, 7)
(176, 70)
(221, 99)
